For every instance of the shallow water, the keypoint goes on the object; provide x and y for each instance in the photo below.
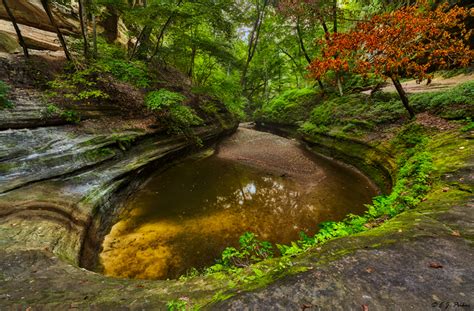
(185, 216)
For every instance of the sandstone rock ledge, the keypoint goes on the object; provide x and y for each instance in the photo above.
(61, 185)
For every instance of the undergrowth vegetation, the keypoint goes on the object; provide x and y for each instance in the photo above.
(170, 108)
(92, 82)
(4, 90)
(360, 113)
(289, 107)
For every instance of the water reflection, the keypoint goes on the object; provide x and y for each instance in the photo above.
(186, 216)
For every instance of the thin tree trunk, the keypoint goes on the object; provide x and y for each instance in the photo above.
(253, 41)
(139, 38)
(334, 29)
(45, 4)
(326, 30)
(339, 84)
(300, 40)
(94, 35)
(162, 31)
(305, 53)
(146, 30)
(17, 29)
(82, 19)
(191, 66)
(328, 38)
(403, 96)
(295, 64)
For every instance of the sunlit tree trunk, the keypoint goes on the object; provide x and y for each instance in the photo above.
(191, 64)
(83, 21)
(47, 9)
(253, 40)
(94, 34)
(17, 29)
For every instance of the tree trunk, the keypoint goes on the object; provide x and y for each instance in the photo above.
(339, 84)
(300, 40)
(94, 34)
(45, 4)
(191, 65)
(403, 96)
(83, 22)
(305, 53)
(162, 31)
(253, 41)
(139, 39)
(17, 29)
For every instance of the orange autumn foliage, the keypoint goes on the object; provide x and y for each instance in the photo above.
(405, 42)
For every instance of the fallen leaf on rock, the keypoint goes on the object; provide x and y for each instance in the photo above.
(455, 233)
(436, 265)
(369, 270)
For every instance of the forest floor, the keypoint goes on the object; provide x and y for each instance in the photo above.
(438, 83)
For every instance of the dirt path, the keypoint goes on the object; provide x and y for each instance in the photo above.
(437, 84)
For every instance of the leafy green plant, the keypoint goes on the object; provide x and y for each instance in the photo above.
(79, 86)
(4, 90)
(162, 99)
(133, 72)
(289, 107)
(169, 106)
(176, 305)
(70, 116)
(52, 109)
(469, 126)
(251, 250)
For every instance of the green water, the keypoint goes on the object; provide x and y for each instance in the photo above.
(185, 216)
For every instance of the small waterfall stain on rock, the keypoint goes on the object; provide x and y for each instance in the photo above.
(185, 216)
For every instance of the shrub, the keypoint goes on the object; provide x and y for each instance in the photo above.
(169, 105)
(81, 85)
(289, 107)
(251, 250)
(132, 72)
(4, 90)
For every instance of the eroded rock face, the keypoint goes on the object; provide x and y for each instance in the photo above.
(31, 13)
(38, 32)
(35, 38)
(60, 182)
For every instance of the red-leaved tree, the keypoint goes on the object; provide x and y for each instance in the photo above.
(406, 42)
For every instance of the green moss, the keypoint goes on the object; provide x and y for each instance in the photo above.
(450, 151)
(99, 154)
(289, 107)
